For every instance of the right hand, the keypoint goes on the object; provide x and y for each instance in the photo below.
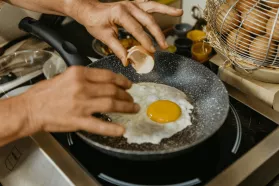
(101, 20)
(66, 102)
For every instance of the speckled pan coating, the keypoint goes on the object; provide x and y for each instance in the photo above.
(205, 90)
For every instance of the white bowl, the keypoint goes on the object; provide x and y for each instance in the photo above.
(54, 66)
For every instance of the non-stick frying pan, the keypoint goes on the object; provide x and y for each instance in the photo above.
(205, 90)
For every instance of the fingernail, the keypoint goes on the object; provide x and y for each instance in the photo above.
(123, 59)
(152, 48)
(136, 107)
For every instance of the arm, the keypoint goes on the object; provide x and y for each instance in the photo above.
(56, 7)
(54, 106)
(13, 119)
(69, 108)
(101, 19)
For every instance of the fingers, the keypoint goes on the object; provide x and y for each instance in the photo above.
(109, 37)
(154, 7)
(114, 44)
(108, 90)
(106, 105)
(134, 27)
(106, 76)
(97, 126)
(149, 22)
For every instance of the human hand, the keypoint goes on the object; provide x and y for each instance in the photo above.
(66, 102)
(101, 20)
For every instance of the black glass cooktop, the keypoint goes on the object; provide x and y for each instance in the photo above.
(243, 129)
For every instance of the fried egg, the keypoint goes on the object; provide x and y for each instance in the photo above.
(164, 112)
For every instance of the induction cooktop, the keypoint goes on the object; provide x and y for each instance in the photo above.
(242, 130)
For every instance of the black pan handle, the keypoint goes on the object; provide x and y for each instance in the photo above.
(66, 49)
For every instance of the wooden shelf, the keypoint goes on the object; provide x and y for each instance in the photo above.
(266, 92)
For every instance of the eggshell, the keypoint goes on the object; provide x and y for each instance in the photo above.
(259, 48)
(255, 21)
(239, 40)
(232, 20)
(142, 61)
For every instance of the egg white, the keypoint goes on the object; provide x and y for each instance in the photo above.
(139, 127)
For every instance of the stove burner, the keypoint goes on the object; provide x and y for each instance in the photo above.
(70, 139)
(237, 140)
(239, 130)
(122, 183)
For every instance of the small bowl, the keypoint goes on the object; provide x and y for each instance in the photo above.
(98, 46)
(201, 51)
(181, 29)
(196, 35)
(183, 46)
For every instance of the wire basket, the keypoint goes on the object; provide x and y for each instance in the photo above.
(245, 31)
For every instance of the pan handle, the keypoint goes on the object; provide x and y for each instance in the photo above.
(66, 49)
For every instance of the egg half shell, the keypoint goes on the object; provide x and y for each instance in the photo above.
(142, 61)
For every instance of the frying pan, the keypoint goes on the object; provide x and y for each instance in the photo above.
(205, 90)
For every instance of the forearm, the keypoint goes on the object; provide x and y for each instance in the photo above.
(58, 7)
(13, 120)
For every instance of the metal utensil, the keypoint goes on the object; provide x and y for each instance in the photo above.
(200, 21)
(196, 13)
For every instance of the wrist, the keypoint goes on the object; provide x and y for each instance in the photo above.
(31, 124)
(14, 120)
(75, 9)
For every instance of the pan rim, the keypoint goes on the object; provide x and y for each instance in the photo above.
(136, 152)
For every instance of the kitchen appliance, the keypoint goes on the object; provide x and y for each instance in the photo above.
(242, 130)
(251, 159)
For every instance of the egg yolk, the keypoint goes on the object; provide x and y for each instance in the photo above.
(163, 111)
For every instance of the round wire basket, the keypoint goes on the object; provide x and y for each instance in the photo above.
(245, 31)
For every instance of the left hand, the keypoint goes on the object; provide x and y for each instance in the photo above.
(101, 20)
